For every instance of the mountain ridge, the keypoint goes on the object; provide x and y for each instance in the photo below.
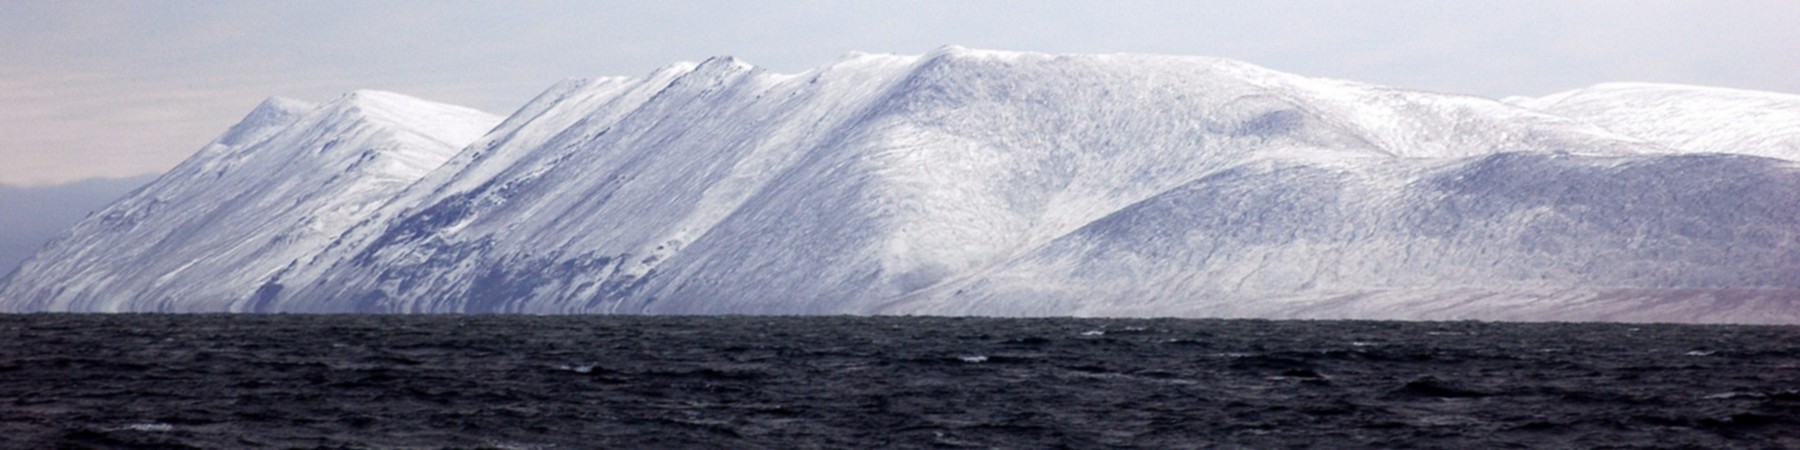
(1689, 118)
(289, 175)
(976, 182)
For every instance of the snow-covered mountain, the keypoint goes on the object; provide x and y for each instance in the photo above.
(1687, 118)
(1518, 236)
(279, 185)
(32, 216)
(980, 182)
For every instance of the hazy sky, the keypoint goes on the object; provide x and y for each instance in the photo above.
(109, 89)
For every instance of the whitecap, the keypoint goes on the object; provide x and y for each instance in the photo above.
(584, 368)
(152, 427)
(1731, 395)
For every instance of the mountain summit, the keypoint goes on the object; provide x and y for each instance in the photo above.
(279, 185)
(976, 182)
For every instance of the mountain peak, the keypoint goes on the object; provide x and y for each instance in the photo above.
(277, 186)
(450, 126)
(277, 105)
(961, 52)
(968, 181)
(273, 113)
(727, 61)
(385, 102)
(721, 66)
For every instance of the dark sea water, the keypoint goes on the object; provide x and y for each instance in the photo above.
(529, 382)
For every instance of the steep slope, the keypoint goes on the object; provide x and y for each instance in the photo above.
(282, 183)
(719, 187)
(32, 216)
(1687, 118)
(1514, 236)
(970, 182)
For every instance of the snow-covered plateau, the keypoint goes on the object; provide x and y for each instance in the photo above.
(971, 182)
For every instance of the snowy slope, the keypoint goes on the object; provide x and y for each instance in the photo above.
(981, 182)
(282, 183)
(1687, 118)
(986, 155)
(866, 184)
(1515, 236)
(31, 216)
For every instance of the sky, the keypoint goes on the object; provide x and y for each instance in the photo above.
(122, 88)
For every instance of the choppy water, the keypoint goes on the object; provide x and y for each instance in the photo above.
(222, 381)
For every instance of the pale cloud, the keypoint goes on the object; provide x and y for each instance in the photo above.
(114, 88)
